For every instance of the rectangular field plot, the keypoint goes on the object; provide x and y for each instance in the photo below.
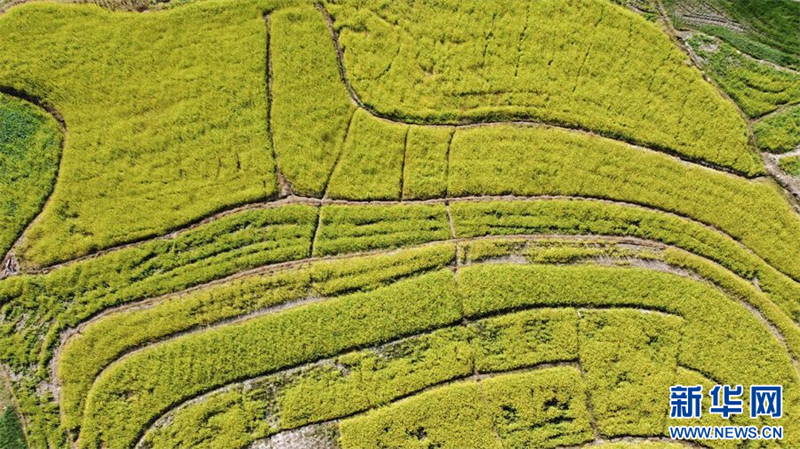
(310, 108)
(371, 164)
(348, 228)
(425, 171)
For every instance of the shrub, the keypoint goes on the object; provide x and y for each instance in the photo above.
(790, 165)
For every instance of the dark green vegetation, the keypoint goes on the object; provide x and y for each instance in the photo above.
(30, 148)
(11, 436)
(758, 88)
(768, 30)
(313, 224)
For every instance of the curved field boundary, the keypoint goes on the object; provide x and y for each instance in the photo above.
(774, 316)
(790, 185)
(750, 310)
(9, 264)
(165, 418)
(356, 99)
(286, 188)
(323, 202)
(671, 265)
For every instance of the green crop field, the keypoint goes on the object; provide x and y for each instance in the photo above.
(422, 224)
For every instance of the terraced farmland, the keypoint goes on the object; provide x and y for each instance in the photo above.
(406, 224)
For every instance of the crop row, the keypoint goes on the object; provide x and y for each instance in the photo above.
(347, 229)
(542, 409)
(589, 65)
(103, 341)
(542, 161)
(496, 160)
(30, 147)
(310, 133)
(196, 363)
(85, 355)
(66, 296)
(371, 378)
(357, 381)
(561, 216)
(627, 359)
(758, 88)
(503, 351)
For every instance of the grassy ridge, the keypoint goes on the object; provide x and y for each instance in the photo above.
(30, 146)
(529, 161)
(154, 142)
(205, 360)
(308, 129)
(758, 88)
(586, 64)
